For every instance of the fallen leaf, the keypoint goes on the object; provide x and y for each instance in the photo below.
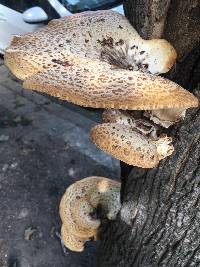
(29, 233)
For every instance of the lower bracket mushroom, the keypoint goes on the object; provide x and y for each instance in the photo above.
(129, 145)
(79, 209)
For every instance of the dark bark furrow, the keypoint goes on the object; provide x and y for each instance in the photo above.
(148, 16)
(194, 70)
(192, 255)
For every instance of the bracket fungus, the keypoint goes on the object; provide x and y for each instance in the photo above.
(130, 145)
(80, 206)
(97, 59)
(134, 141)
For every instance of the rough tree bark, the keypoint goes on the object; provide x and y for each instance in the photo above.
(159, 222)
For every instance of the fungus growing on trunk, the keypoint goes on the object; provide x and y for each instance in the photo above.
(97, 59)
(136, 137)
(82, 207)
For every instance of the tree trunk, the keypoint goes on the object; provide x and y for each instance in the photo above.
(159, 222)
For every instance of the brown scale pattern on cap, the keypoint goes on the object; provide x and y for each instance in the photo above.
(95, 33)
(89, 83)
(78, 209)
(62, 36)
(125, 144)
(138, 129)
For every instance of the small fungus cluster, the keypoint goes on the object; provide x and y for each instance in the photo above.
(79, 209)
(97, 59)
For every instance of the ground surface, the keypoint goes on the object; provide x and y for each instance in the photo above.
(44, 147)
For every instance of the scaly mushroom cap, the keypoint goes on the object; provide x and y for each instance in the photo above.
(130, 146)
(78, 209)
(86, 59)
(96, 84)
(103, 35)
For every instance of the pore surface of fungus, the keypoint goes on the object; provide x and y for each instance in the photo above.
(79, 209)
